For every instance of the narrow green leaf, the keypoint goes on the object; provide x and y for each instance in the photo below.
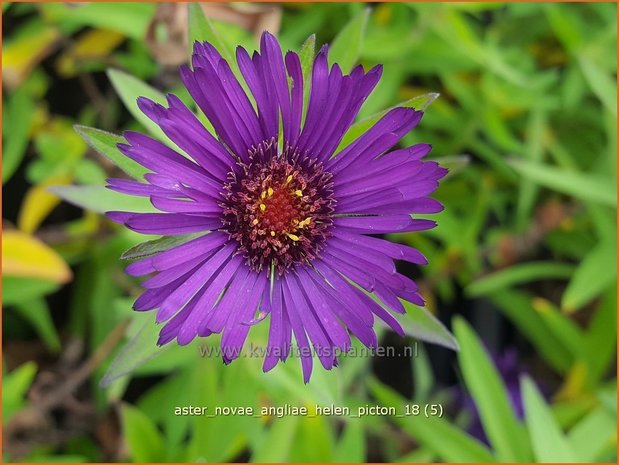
(14, 388)
(351, 446)
(602, 84)
(143, 439)
(16, 290)
(306, 57)
(423, 377)
(129, 18)
(534, 151)
(314, 441)
(596, 272)
(347, 44)
(102, 200)
(583, 186)
(19, 113)
(148, 248)
(105, 143)
(129, 89)
(600, 339)
(448, 442)
(594, 435)
(517, 306)
(549, 443)
(36, 311)
(141, 348)
(518, 274)
(498, 417)
(421, 324)
(201, 29)
(567, 332)
(282, 433)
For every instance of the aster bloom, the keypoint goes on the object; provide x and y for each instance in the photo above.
(284, 221)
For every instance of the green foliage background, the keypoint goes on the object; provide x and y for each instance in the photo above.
(526, 122)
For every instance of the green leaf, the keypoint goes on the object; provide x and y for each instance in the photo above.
(534, 151)
(16, 290)
(201, 29)
(447, 441)
(347, 44)
(567, 332)
(145, 249)
(19, 113)
(105, 143)
(141, 348)
(423, 377)
(143, 439)
(600, 339)
(351, 446)
(102, 200)
(580, 185)
(282, 433)
(314, 440)
(518, 274)
(421, 324)
(130, 18)
(601, 84)
(36, 311)
(14, 388)
(517, 306)
(160, 400)
(549, 443)
(306, 57)
(129, 89)
(420, 102)
(593, 436)
(595, 273)
(497, 415)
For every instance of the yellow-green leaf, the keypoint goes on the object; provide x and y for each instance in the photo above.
(21, 54)
(26, 256)
(38, 203)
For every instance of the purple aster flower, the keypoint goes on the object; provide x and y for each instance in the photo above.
(284, 219)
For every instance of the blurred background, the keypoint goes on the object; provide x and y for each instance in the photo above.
(522, 265)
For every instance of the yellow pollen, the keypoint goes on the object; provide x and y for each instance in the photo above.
(263, 207)
(255, 222)
(293, 237)
(270, 192)
(298, 193)
(305, 222)
(263, 195)
(288, 179)
(273, 233)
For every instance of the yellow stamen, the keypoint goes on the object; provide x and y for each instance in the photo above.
(263, 195)
(298, 193)
(293, 237)
(255, 222)
(263, 207)
(273, 233)
(305, 222)
(288, 179)
(270, 191)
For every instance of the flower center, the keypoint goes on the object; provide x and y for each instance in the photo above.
(278, 207)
